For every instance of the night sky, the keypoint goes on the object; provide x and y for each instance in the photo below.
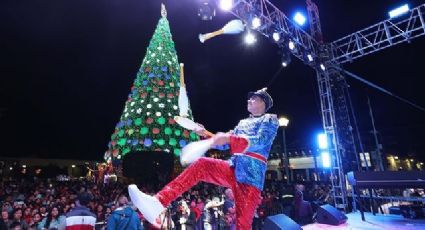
(66, 68)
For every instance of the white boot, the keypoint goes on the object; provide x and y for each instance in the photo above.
(148, 205)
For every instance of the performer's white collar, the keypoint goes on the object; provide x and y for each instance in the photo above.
(256, 116)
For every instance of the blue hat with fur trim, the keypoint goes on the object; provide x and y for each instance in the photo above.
(262, 93)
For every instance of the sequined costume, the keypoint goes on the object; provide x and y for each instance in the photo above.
(244, 173)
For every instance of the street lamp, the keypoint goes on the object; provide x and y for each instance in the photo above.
(72, 170)
(283, 122)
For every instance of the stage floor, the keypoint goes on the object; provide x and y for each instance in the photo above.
(378, 222)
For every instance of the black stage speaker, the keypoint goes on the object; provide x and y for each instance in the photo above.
(327, 214)
(280, 222)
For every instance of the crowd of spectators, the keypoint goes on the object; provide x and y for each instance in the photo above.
(43, 205)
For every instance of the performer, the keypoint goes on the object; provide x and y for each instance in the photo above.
(244, 173)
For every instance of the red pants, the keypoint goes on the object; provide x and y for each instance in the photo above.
(218, 172)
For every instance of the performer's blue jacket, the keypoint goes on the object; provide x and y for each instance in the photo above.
(250, 145)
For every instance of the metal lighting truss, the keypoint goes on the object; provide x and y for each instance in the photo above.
(379, 36)
(331, 83)
(274, 20)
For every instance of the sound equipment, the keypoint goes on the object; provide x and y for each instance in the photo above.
(280, 222)
(412, 211)
(387, 179)
(394, 210)
(327, 214)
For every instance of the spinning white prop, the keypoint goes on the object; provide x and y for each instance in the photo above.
(195, 150)
(183, 101)
(233, 27)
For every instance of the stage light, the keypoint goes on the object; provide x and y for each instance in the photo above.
(299, 18)
(323, 141)
(276, 36)
(399, 11)
(10, 168)
(73, 166)
(396, 157)
(206, 11)
(250, 38)
(326, 159)
(256, 22)
(309, 57)
(226, 5)
(283, 121)
(291, 45)
(286, 57)
(24, 166)
(322, 67)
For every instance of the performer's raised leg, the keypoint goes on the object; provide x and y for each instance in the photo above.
(205, 169)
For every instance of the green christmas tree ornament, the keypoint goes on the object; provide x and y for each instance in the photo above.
(168, 131)
(144, 130)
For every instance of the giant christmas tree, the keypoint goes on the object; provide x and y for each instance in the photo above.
(147, 123)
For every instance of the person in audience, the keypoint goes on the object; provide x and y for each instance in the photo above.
(16, 226)
(35, 220)
(5, 222)
(229, 210)
(54, 220)
(108, 212)
(186, 217)
(43, 211)
(198, 213)
(124, 217)
(27, 215)
(17, 218)
(100, 214)
(212, 214)
(80, 217)
(303, 213)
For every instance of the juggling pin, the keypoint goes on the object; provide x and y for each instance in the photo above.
(233, 27)
(190, 125)
(183, 101)
(195, 150)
